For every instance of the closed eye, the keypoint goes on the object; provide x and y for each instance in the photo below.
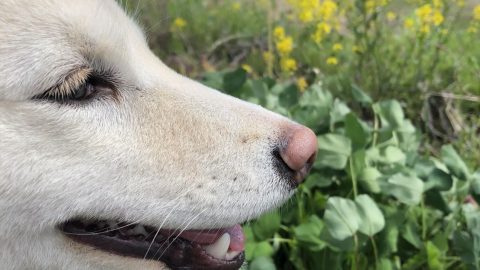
(81, 86)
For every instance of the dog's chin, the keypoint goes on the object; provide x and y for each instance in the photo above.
(217, 248)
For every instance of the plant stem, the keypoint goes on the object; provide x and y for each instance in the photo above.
(375, 128)
(355, 256)
(354, 178)
(375, 251)
(424, 219)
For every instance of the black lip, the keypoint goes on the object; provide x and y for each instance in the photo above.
(175, 252)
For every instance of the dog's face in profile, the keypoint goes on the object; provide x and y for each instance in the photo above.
(110, 160)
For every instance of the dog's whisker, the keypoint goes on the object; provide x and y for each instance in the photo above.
(178, 235)
(103, 231)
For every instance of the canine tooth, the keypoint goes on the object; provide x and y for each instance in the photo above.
(220, 247)
(232, 254)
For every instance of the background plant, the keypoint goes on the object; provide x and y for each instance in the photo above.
(386, 192)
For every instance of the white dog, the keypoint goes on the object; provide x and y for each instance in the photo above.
(110, 160)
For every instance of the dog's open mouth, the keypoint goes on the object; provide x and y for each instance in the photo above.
(192, 249)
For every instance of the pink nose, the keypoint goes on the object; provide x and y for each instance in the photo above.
(300, 151)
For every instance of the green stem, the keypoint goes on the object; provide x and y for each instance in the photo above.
(375, 129)
(355, 257)
(354, 178)
(375, 251)
(424, 219)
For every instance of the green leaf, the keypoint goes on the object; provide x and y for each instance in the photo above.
(317, 180)
(369, 179)
(261, 249)
(341, 218)
(265, 227)
(455, 163)
(338, 112)
(234, 80)
(439, 180)
(262, 263)
(434, 257)
(372, 220)
(407, 189)
(390, 112)
(393, 154)
(357, 131)
(360, 96)
(309, 233)
(334, 151)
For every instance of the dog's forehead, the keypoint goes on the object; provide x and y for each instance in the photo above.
(57, 35)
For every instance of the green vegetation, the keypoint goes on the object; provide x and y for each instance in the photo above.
(385, 192)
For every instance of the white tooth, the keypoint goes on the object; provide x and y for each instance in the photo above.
(220, 247)
(231, 255)
(139, 229)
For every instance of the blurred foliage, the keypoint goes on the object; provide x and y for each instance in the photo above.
(423, 53)
(385, 192)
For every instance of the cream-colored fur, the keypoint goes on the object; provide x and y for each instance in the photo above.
(167, 151)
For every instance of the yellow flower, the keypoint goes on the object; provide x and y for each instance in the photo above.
(425, 29)
(179, 23)
(337, 47)
(333, 61)
(408, 23)
(437, 18)
(268, 57)
(424, 11)
(391, 16)
(306, 16)
(288, 64)
(279, 32)
(285, 45)
(476, 13)
(327, 9)
(437, 3)
(472, 29)
(322, 30)
(247, 68)
(302, 84)
(236, 6)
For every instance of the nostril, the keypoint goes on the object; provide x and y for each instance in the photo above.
(300, 151)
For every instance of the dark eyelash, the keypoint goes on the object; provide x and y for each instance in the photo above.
(65, 92)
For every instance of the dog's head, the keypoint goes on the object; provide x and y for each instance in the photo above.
(97, 135)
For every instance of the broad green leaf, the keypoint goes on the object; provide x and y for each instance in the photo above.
(317, 97)
(309, 233)
(455, 163)
(393, 154)
(265, 227)
(338, 112)
(411, 233)
(317, 180)
(390, 112)
(371, 218)
(357, 131)
(261, 249)
(233, 81)
(406, 188)
(439, 180)
(369, 179)
(334, 151)
(360, 96)
(341, 217)
(434, 257)
(262, 263)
